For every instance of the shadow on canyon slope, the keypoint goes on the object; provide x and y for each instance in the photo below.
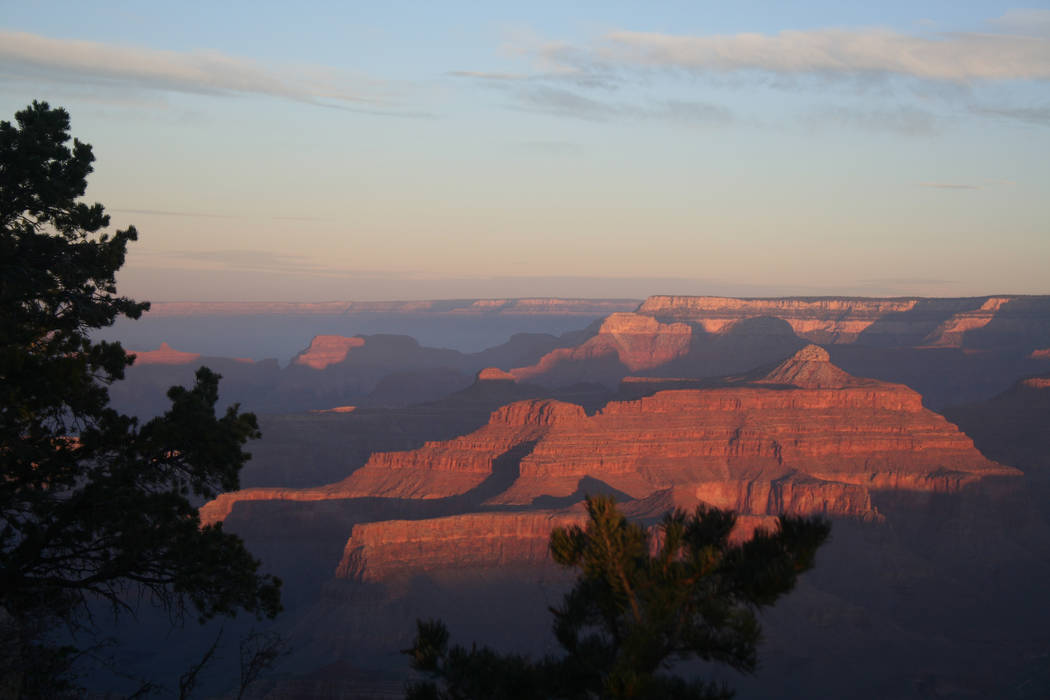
(911, 328)
(1019, 324)
(944, 376)
(748, 343)
(587, 486)
(946, 598)
(300, 450)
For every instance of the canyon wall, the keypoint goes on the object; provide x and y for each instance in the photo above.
(394, 548)
(634, 341)
(986, 322)
(804, 438)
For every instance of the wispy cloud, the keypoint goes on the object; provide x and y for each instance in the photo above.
(923, 68)
(245, 260)
(907, 280)
(483, 75)
(898, 120)
(560, 102)
(950, 185)
(25, 56)
(210, 215)
(553, 148)
(959, 57)
(161, 212)
(1032, 22)
(1039, 116)
(985, 184)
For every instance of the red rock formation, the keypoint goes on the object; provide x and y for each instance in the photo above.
(165, 355)
(951, 333)
(811, 368)
(835, 319)
(436, 470)
(638, 342)
(792, 441)
(453, 467)
(390, 549)
(327, 350)
(908, 322)
(494, 374)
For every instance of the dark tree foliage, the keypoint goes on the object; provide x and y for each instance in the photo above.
(93, 504)
(640, 604)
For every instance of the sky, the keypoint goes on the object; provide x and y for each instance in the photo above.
(412, 150)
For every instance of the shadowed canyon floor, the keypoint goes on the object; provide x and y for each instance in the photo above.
(434, 495)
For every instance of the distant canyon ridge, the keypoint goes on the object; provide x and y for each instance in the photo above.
(927, 344)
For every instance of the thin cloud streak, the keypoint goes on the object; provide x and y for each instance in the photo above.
(483, 75)
(565, 103)
(1024, 21)
(960, 57)
(160, 212)
(950, 185)
(245, 260)
(1039, 116)
(932, 69)
(902, 120)
(206, 215)
(202, 72)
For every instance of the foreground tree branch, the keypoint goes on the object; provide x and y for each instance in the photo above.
(636, 609)
(93, 504)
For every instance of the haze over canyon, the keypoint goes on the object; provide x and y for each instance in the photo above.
(397, 480)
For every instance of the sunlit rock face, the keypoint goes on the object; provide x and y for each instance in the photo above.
(892, 339)
(164, 355)
(391, 549)
(325, 350)
(806, 417)
(494, 374)
(473, 543)
(984, 322)
(636, 341)
(804, 438)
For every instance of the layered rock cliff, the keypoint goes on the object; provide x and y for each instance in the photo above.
(987, 322)
(327, 350)
(634, 341)
(439, 469)
(804, 438)
(394, 548)
(951, 350)
(164, 355)
(454, 467)
(868, 434)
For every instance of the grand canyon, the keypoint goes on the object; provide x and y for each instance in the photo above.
(610, 351)
(396, 480)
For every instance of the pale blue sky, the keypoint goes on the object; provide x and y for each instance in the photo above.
(408, 150)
